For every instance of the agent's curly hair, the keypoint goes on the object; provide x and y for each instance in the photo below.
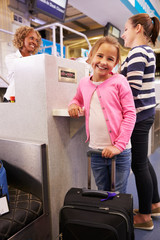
(21, 33)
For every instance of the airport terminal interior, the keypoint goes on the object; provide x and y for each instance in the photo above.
(42, 148)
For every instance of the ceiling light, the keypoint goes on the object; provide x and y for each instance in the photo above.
(37, 20)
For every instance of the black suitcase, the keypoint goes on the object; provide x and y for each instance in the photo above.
(85, 216)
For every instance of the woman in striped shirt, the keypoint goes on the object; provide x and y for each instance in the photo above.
(139, 68)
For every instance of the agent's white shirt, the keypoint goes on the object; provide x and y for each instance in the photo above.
(10, 63)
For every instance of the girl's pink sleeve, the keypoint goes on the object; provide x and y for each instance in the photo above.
(78, 98)
(129, 114)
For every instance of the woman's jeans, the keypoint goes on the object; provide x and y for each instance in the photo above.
(101, 168)
(145, 176)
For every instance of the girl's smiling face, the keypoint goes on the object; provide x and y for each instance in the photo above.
(103, 61)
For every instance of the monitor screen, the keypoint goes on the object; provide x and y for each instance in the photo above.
(52, 8)
(110, 29)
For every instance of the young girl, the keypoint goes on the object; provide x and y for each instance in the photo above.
(139, 68)
(109, 113)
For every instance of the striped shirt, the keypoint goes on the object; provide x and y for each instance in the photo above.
(139, 68)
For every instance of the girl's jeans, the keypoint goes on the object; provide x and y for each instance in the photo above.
(101, 168)
(145, 177)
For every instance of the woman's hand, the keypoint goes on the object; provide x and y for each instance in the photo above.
(110, 151)
(74, 110)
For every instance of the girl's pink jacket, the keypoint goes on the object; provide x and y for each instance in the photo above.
(117, 103)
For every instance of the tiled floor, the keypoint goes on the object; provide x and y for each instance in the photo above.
(155, 233)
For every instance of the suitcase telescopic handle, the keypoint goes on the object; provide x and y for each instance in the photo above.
(113, 168)
(95, 151)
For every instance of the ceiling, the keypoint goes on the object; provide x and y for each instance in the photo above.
(103, 11)
(75, 19)
(83, 15)
(88, 17)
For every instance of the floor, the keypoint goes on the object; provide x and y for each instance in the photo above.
(155, 233)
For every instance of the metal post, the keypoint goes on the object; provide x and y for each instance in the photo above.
(54, 50)
(61, 40)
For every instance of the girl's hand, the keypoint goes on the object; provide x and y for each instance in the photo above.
(110, 151)
(74, 110)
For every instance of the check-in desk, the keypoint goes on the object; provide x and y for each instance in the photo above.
(40, 91)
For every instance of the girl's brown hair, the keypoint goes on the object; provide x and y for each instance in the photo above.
(21, 33)
(106, 39)
(151, 25)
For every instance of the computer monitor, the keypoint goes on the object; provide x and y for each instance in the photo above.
(110, 29)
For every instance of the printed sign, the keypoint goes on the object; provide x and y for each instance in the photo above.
(55, 8)
(67, 75)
